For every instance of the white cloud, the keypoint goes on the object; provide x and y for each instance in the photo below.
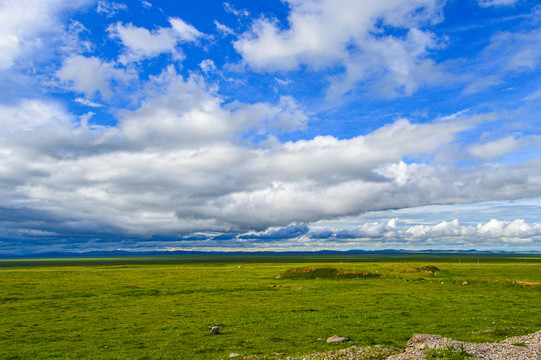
(207, 66)
(502, 147)
(87, 102)
(142, 43)
(349, 34)
(186, 32)
(90, 75)
(533, 96)
(510, 231)
(374, 230)
(31, 115)
(190, 113)
(283, 82)
(73, 42)
(507, 56)
(9, 47)
(186, 114)
(494, 149)
(225, 30)
(22, 23)
(492, 233)
(110, 8)
(443, 229)
(237, 12)
(515, 52)
(487, 3)
(482, 84)
(407, 233)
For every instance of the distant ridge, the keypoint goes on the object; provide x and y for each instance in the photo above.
(124, 253)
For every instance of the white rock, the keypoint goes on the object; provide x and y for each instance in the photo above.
(335, 338)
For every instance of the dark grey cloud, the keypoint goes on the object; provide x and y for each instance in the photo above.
(222, 237)
(322, 234)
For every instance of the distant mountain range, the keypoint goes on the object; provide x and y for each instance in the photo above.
(122, 253)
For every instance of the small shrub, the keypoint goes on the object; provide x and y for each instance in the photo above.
(450, 353)
(520, 344)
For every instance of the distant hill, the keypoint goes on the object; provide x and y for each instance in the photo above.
(123, 253)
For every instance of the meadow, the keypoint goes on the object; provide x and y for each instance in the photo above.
(163, 307)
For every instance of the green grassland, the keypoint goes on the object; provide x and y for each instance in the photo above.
(163, 307)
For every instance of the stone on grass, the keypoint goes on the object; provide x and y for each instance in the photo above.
(278, 277)
(215, 330)
(334, 339)
(234, 355)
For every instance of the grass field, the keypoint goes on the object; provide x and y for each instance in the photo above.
(163, 307)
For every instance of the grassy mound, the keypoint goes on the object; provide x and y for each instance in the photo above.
(426, 268)
(325, 273)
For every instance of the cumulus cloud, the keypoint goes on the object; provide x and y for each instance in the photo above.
(441, 230)
(30, 115)
(494, 149)
(22, 23)
(516, 231)
(445, 232)
(370, 230)
(504, 146)
(190, 114)
(142, 43)
(350, 34)
(185, 31)
(510, 231)
(90, 75)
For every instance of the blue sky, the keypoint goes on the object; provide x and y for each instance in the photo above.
(269, 125)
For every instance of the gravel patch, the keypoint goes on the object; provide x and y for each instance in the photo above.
(421, 346)
(526, 347)
(352, 353)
